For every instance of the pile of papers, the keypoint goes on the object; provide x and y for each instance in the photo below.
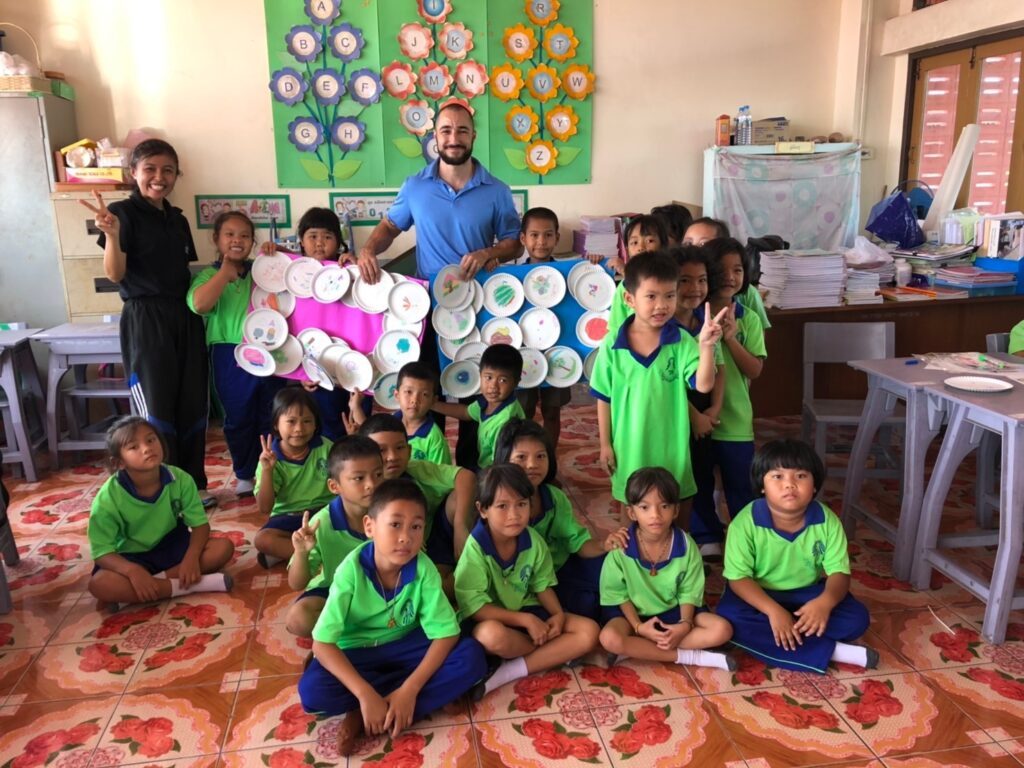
(599, 235)
(862, 287)
(933, 252)
(972, 276)
(811, 278)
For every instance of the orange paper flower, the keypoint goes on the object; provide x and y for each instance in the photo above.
(455, 40)
(578, 81)
(522, 123)
(434, 11)
(506, 82)
(399, 79)
(471, 78)
(560, 42)
(415, 40)
(435, 80)
(456, 100)
(561, 122)
(416, 117)
(542, 82)
(519, 42)
(541, 156)
(542, 12)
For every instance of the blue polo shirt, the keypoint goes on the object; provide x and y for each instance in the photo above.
(450, 224)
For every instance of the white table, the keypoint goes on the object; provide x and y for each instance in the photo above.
(18, 370)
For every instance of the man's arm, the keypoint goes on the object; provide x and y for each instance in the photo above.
(489, 258)
(380, 240)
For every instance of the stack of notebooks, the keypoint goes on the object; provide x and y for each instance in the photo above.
(916, 293)
(599, 236)
(970, 277)
(862, 287)
(811, 278)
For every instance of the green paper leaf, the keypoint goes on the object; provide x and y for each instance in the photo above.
(316, 170)
(516, 158)
(408, 146)
(567, 154)
(349, 108)
(346, 169)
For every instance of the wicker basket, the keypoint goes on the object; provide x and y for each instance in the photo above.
(24, 83)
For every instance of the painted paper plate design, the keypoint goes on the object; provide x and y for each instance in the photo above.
(565, 367)
(266, 327)
(544, 286)
(331, 355)
(540, 328)
(288, 356)
(385, 391)
(595, 290)
(535, 368)
(392, 323)
(268, 271)
(348, 300)
(588, 364)
(317, 372)
(503, 295)
(298, 278)
(461, 378)
(373, 298)
(314, 341)
(577, 272)
(408, 301)
(592, 327)
(255, 359)
(450, 290)
(978, 384)
(472, 352)
(453, 323)
(395, 349)
(331, 283)
(502, 330)
(451, 347)
(354, 371)
(283, 302)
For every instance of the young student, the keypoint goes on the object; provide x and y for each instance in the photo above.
(326, 538)
(643, 234)
(148, 532)
(653, 589)
(220, 294)
(641, 377)
(1017, 339)
(386, 648)
(732, 438)
(787, 568)
(147, 246)
(575, 555)
(676, 219)
(504, 582)
(501, 367)
(292, 474)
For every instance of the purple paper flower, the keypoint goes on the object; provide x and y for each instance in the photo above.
(305, 133)
(328, 87)
(346, 42)
(288, 86)
(365, 87)
(323, 11)
(304, 43)
(348, 133)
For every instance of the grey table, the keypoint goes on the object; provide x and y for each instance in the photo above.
(17, 374)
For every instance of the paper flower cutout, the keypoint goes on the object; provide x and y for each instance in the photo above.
(471, 78)
(541, 156)
(346, 42)
(288, 86)
(365, 87)
(455, 40)
(323, 11)
(415, 41)
(305, 133)
(434, 11)
(542, 82)
(542, 12)
(519, 42)
(522, 123)
(506, 82)
(399, 79)
(578, 81)
(456, 100)
(560, 42)
(561, 122)
(328, 87)
(429, 144)
(416, 117)
(435, 80)
(348, 133)
(304, 43)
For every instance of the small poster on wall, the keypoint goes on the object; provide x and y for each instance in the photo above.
(260, 208)
(366, 209)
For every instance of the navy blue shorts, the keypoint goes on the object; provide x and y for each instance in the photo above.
(314, 592)
(168, 553)
(537, 610)
(671, 616)
(440, 545)
(290, 522)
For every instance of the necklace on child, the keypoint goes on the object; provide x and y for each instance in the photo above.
(654, 561)
(389, 602)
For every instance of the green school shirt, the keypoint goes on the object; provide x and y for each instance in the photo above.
(619, 310)
(300, 485)
(650, 420)
(358, 611)
(783, 561)
(483, 578)
(751, 299)
(334, 540)
(224, 321)
(490, 426)
(558, 526)
(121, 521)
(428, 443)
(736, 419)
(1016, 338)
(436, 481)
(626, 576)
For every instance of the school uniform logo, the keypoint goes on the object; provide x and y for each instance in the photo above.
(177, 507)
(321, 466)
(525, 574)
(408, 614)
(818, 551)
(671, 371)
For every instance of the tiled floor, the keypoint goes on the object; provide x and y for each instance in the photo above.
(211, 680)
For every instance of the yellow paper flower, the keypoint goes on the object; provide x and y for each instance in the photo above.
(560, 42)
(541, 156)
(519, 42)
(522, 123)
(542, 82)
(542, 12)
(578, 81)
(506, 82)
(561, 122)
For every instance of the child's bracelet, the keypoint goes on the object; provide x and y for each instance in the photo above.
(636, 628)
(686, 621)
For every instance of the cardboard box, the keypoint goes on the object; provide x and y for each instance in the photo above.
(771, 130)
(96, 175)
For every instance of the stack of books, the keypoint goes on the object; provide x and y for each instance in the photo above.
(811, 278)
(599, 235)
(916, 293)
(969, 277)
(862, 287)
(1002, 236)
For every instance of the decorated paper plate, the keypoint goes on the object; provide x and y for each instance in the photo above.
(385, 391)
(288, 356)
(451, 347)
(540, 328)
(461, 378)
(317, 372)
(353, 273)
(331, 355)
(503, 295)
(313, 341)
(472, 351)
(354, 371)
(408, 301)
(283, 302)
(588, 364)
(396, 348)
(255, 359)
(978, 384)
(331, 283)
(595, 290)
(477, 301)
(392, 323)
(373, 298)
(535, 368)
(268, 271)
(592, 327)
(576, 272)
(544, 286)
(565, 367)
(450, 290)
(453, 323)
(339, 340)
(502, 330)
(266, 327)
(298, 278)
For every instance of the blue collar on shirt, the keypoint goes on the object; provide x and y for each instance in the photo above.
(484, 416)
(480, 175)
(678, 548)
(547, 503)
(275, 446)
(670, 334)
(482, 534)
(339, 521)
(813, 515)
(166, 478)
(406, 577)
(423, 431)
(246, 266)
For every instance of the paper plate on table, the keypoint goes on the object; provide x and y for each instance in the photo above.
(266, 327)
(373, 298)
(268, 271)
(451, 347)
(331, 283)
(576, 272)
(385, 391)
(461, 378)
(472, 352)
(347, 299)
(592, 327)
(408, 301)
(298, 278)
(453, 323)
(502, 330)
(595, 290)
(394, 349)
(313, 341)
(540, 328)
(288, 356)
(503, 295)
(450, 290)
(392, 323)
(255, 359)
(283, 302)
(535, 368)
(588, 364)
(565, 367)
(978, 384)
(544, 286)
(354, 371)
(317, 372)
(331, 354)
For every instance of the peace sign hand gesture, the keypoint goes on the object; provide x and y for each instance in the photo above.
(267, 457)
(712, 330)
(106, 222)
(304, 539)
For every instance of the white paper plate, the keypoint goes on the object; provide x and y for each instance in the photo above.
(266, 327)
(540, 328)
(392, 323)
(373, 298)
(451, 347)
(592, 327)
(535, 368)
(298, 278)
(503, 295)
(255, 359)
(576, 272)
(283, 302)
(461, 378)
(477, 300)
(288, 356)
(353, 273)
(385, 391)
(317, 372)
(268, 271)
(331, 283)
(595, 290)
(502, 330)
(978, 384)
(331, 354)
(354, 371)
(339, 340)
(472, 351)
(408, 301)
(544, 286)
(588, 364)
(565, 367)
(450, 290)
(396, 348)
(453, 323)
(313, 340)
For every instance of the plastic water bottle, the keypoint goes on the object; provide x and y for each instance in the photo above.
(744, 127)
